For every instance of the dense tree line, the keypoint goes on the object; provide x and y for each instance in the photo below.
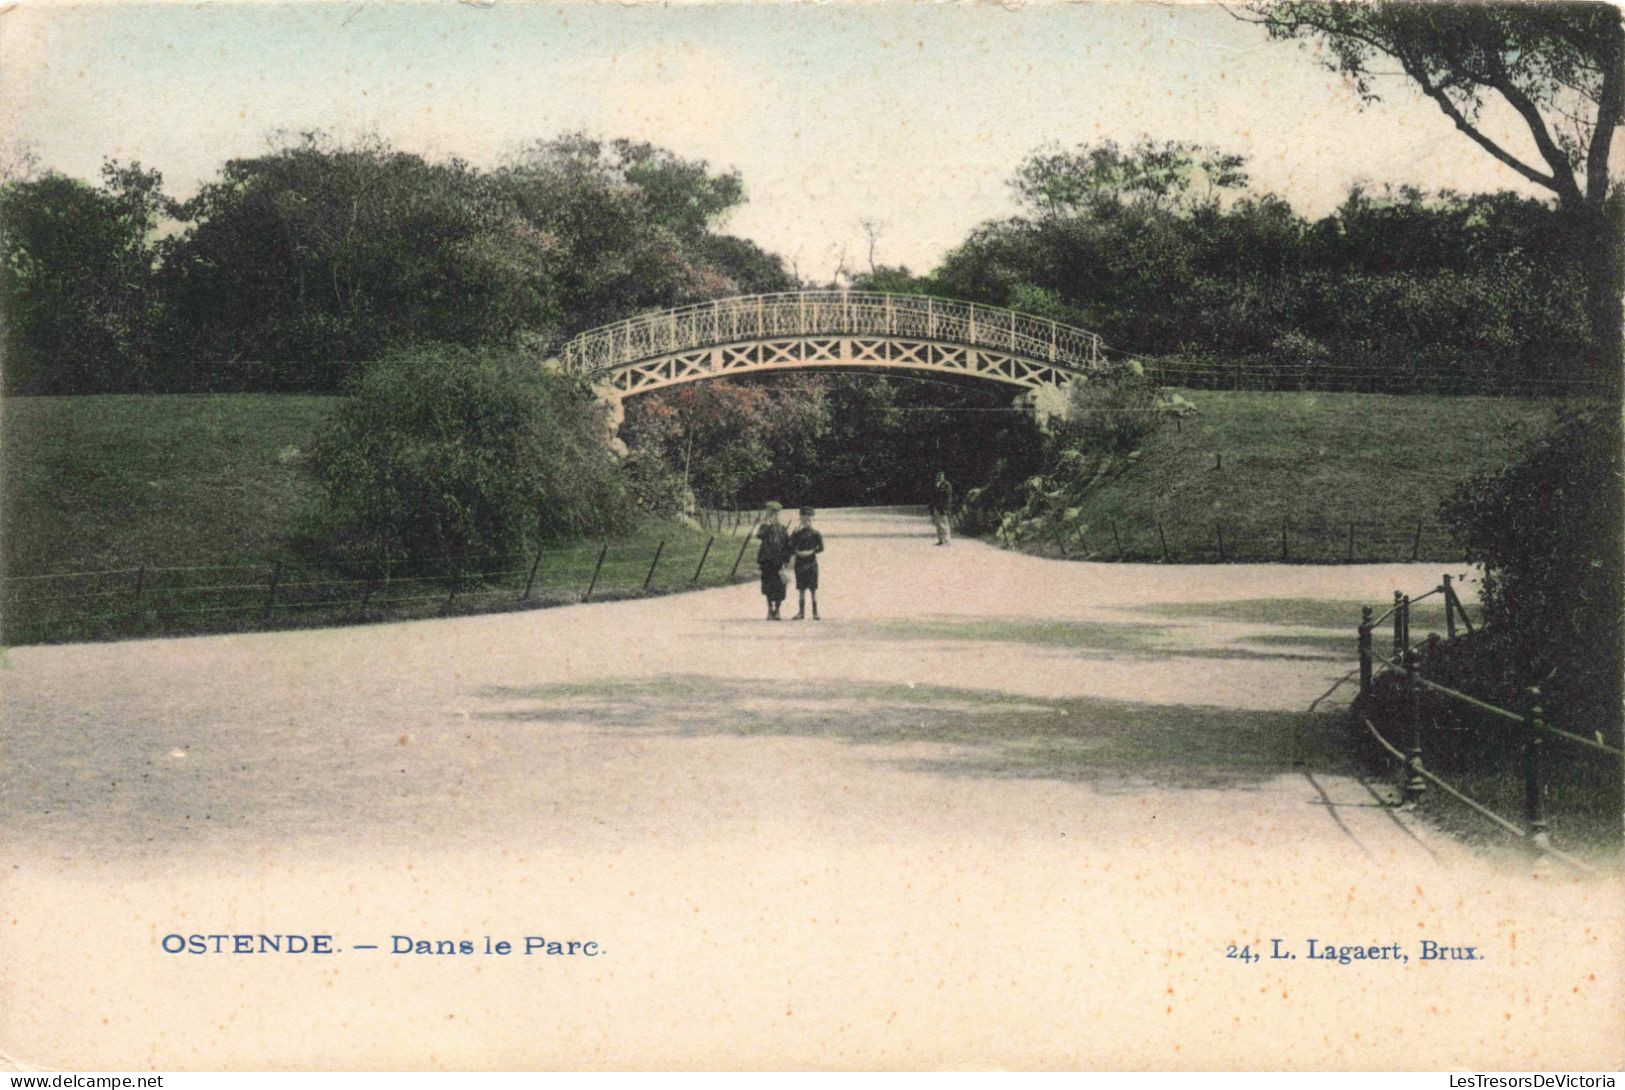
(1164, 250)
(289, 269)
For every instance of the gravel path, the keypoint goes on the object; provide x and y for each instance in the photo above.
(991, 811)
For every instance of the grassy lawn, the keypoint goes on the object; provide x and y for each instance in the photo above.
(118, 481)
(159, 515)
(1253, 463)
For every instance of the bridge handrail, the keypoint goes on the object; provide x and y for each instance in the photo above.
(835, 313)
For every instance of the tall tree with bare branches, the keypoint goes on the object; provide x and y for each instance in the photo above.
(1560, 67)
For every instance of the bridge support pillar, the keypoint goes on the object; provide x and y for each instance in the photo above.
(609, 403)
(1047, 404)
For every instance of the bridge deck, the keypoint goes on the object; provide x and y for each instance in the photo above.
(832, 328)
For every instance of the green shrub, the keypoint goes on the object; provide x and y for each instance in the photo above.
(1547, 530)
(452, 456)
(1113, 414)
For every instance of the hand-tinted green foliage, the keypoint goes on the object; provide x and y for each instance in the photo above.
(1547, 530)
(1108, 422)
(1559, 68)
(290, 269)
(300, 264)
(76, 281)
(631, 226)
(1160, 251)
(443, 451)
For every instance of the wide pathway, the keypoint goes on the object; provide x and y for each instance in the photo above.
(991, 811)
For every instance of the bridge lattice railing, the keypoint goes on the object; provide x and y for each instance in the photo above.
(834, 314)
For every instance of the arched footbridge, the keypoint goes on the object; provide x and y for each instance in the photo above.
(847, 329)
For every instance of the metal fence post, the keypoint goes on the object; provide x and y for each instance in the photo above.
(531, 578)
(596, 568)
(1534, 807)
(1454, 602)
(1450, 609)
(701, 565)
(734, 571)
(1365, 650)
(270, 594)
(1399, 627)
(1415, 784)
(660, 548)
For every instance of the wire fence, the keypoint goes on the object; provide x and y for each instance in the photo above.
(1221, 541)
(153, 600)
(1494, 754)
(1244, 373)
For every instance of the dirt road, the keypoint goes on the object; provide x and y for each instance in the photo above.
(991, 811)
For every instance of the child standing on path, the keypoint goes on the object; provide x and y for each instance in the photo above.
(771, 556)
(806, 543)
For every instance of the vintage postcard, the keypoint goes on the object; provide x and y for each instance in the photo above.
(877, 535)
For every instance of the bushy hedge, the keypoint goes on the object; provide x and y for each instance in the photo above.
(1547, 529)
(458, 456)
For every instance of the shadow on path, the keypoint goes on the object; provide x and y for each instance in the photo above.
(1101, 742)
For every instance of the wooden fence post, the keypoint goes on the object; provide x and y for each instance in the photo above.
(531, 578)
(1534, 807)
(660, 548)
(1365, 650)
(593, 582)
(734, 571)
(701, 565)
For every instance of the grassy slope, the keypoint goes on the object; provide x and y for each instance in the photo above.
(117, 481)
(1316, 460)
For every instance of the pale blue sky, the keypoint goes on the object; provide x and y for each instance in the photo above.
(914, 115)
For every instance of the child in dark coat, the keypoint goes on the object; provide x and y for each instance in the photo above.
(771, 556)
(806, 543)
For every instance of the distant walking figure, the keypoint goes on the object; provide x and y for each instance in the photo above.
(942, 507)
(772, 555)
(806, 543)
